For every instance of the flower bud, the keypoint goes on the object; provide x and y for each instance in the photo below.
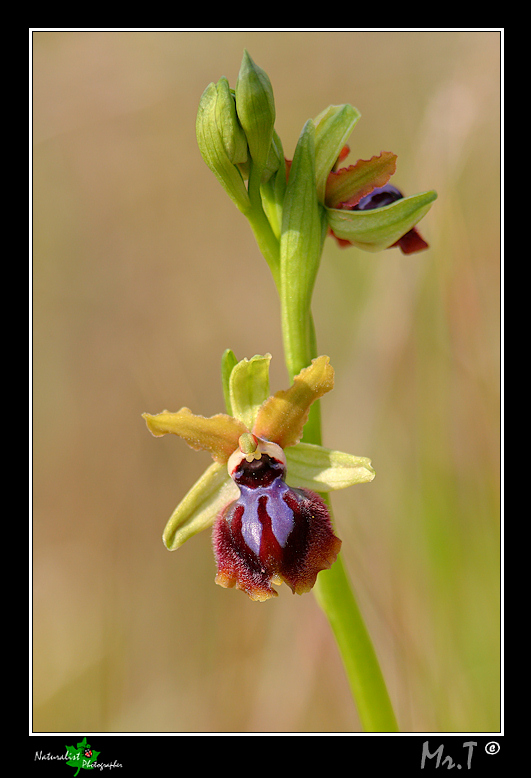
(222, 141)
(255, 105)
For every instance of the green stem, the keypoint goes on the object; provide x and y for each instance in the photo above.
(336, 598)
(333, 590)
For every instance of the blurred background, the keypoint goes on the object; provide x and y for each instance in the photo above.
(144, 272)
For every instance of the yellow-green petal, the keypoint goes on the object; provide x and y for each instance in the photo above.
(217, 434)
(282, 417)
(323, 470)
(198, 509)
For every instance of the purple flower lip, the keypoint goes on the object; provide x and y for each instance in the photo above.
(272, 532)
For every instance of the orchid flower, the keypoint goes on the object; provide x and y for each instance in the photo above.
(364, 187)
(361, 208)
(270, 525)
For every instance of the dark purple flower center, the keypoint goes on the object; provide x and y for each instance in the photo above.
(258, 472)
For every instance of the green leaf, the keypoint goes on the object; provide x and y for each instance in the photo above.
(324, 470)
(333, 127)
(249, 388)
(303, 230)
(200, 506)
(379, 228)
(77, 758)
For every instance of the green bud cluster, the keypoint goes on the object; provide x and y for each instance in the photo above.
(235, 131)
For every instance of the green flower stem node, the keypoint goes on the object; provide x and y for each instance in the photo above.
(333, 127)
(200, 506)
(222, 141)
(380, 228)
(255, 105)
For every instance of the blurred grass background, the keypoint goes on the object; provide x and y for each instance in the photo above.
(144, 272)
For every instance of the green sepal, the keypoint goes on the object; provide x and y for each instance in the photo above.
(255, 105)
(333, 127)
(324, 470)
(380, 228)
(222, 141)
(249, 388)
(200, 506)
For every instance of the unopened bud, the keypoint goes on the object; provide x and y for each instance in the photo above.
(255, 105)
(222, 141)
